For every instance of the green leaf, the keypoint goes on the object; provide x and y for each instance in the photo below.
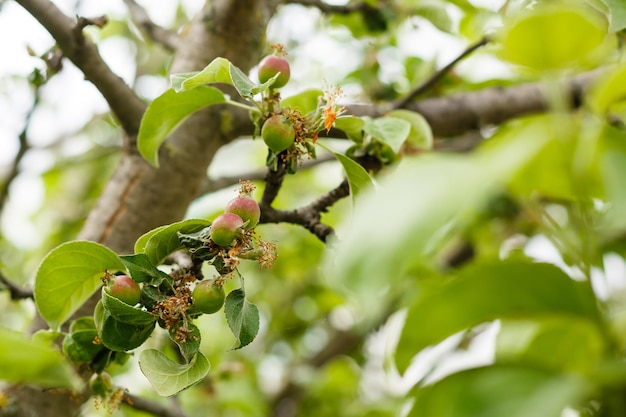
(126, 313)
(305, 101)
(352, 126)
(490, 291)
(188, 339)
(168, 377)
(69, 275)
(79, 346)
(167, 112)
(216, 72)
(392, 131)
(552, 342)
(165, 240)
(142, 270)
(436, 13)
(177, 80)
(612, 164)
(244, 86)
(608, 90)
(497, 391)
(617, 14)
(358, 178)
(549, 37)
(140, 244)
(118, 336)
(242, 317)
(25, 361)
(420, 134)
(417, 208)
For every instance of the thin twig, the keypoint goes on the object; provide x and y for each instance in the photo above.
(308, 216)
(24, 146)
(169, 40)
(437, 76)
(153, 407)
(17, 292)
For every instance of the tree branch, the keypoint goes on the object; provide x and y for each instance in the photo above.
(164, 37)
(153, 407)
(438, 75)
(14, 170)
(17, 292)
(273, 182)
(126, 106)
(308, 216)
(457, 114)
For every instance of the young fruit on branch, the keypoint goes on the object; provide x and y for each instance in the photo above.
(278, 133)
(124, 289)
(225, 228)
(246, 208)
(208, 297)
(272, 65)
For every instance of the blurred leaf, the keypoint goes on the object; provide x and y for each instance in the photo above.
(498, 391)
(305, 101)
(420, 134)
(352, 126)
(473, 25)
(567, 35)
(612, 163)
(26, 361)
(416, 208)
(358, 178)
(486, 292)
(168, 377)
(69, 275)
(567, 169)
(142, 270)
(164, 240)
(553, 342)
(608, 90)
(436, 13)
(617, 14)
(392, 131)
(242, 317)
(125, 313)
(167, 112)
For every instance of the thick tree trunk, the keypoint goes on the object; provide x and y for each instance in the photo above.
(139, 197)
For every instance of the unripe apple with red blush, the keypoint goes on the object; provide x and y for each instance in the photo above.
(246, 208)
(225, 228)
(208, 296)
(124, 289)
(278, 133)
(272, 65)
